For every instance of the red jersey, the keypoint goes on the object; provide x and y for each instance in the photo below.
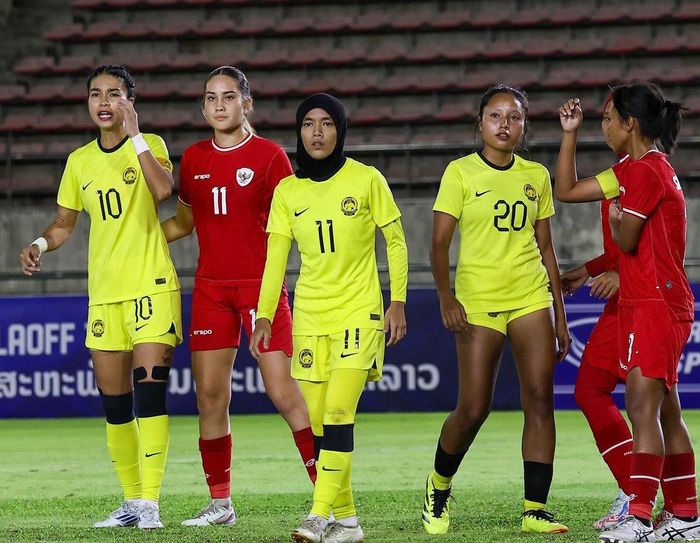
(230, 191)
(653, 272)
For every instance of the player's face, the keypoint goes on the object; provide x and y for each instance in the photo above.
(224, 105)
(104, 91)
(613, 129)
(318, 133)
(502, 122)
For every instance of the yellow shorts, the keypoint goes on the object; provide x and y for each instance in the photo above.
(499, 321)
(358, 348)
(150, 319)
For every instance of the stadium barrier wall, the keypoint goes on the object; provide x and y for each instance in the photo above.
(45, 370)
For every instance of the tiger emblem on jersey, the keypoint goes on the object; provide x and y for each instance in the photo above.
(98, 328)
(244, 176)
(306, 358)
(530, 192)
(129, 175)
(349, 206)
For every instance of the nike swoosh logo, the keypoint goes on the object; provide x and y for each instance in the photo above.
(139, 327)
(86, 186)
(324, 468)
(345, 355)
(297, 213)
(152, 454)
(478, 194)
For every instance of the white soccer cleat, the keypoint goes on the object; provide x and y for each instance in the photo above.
(149, 515)
(672, 528)
(339, 533)
(629, 530)
(311, 530)
(218, 512)
(126, 515)
(619, 509)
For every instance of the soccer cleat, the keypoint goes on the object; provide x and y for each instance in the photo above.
(310, 531)
(619, 509)
(126, 515)
(539, 521)
(149, 515)
(661, 519)
(628, 530)
(338, 533)
(436, 508)
(218, 512)
(674, 529)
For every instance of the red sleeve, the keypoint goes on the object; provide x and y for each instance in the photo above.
(279, 168)
(642, 192)
(597, 265)
(184, 194)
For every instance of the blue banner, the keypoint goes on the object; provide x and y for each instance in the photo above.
(46, 371)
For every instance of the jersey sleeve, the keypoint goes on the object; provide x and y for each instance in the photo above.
(450, 198)
(608, 183)
(278, 221)
(382, 206)
(643, 191)
(279, 168)
(185, 178)
(159, 150)
(69, 189)
(545, 209)
(598, 265)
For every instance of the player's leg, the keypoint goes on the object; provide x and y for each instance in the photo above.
(532, 339)
(478, 357)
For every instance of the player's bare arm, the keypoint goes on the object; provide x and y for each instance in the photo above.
(567, 187)
(573, 280)
(158, 177)
(626, 228)
(454, 318)
(543, 236)
(179, 225)
(55, 235)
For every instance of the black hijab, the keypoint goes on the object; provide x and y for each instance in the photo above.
(320, 170)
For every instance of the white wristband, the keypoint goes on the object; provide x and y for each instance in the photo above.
(140, 145)
(41, 243)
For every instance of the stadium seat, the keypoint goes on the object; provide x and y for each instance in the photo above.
(64, 32)
(494, 13)
(75, 64)
(416, 17)
(390, 49)
(453, 17)
(11, 93)
(418, 109)
(573, 14)
(688, 10)
(34, 65)
(537, 15)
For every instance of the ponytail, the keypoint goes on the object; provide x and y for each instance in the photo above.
(671, 118)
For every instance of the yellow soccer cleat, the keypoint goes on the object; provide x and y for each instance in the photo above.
(436, 508)
(539, 521)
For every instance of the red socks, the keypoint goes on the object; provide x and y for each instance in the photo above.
(304, 440)
(216, 461)
(678, 485)
(644, 483)
(615, 445)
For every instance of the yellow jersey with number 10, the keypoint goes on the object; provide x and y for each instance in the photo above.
(499, 266)
(334, 224)
(128, 256)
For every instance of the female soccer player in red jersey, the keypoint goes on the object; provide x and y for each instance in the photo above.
(506, 284)
(656, 307)
(134, 296)
(226, 185)
(332, 206)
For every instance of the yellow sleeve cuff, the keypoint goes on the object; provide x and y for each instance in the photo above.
(275, 266)
(608, 183)
(397, 254)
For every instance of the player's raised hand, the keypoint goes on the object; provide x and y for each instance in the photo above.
(571, 115)
(454, 318)
(29, 260)
(130, 119)
(262, 332)
(573, 280)
(395, 322)
(605, 285)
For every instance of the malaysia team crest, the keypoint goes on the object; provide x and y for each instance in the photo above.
(244, 176)
(98, 328)
(349, 206)
(129, 175)
(530, 192)
(306, 358)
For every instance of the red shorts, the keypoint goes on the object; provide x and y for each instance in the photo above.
(602, 346)
(651, 339)
(219, 311)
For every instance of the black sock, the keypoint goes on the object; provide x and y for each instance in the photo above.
(447, 464)
(538, 479)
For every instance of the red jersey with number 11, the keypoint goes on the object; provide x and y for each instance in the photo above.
(229, 191)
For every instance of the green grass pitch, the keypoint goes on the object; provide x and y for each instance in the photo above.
(56, 480)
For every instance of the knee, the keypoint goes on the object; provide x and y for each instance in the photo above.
(538, 402)
(150, 390)
(583, 396)
(210, 401)
(471, 417)
(337, 416)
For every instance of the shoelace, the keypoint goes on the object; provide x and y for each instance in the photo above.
(149, 513)
(335, 528)
(313, 524)
(440, 498)
(540, 514)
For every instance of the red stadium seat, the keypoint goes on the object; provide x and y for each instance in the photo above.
(64, 32)
(669, 43)
(419, 109)
(628, 43)
(537, 15)
(414, 18)
(453, 17)
(462, 111)
(11, 93)
(576, 13)
(489, 14)
(388, 50)
(103, 30)
(34, 65)
(688, 10)
(77, 64)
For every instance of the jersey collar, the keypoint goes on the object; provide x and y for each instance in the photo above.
(237, 146)
(112, 149)
(495, 166)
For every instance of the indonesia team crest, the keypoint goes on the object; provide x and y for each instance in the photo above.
(244, 176)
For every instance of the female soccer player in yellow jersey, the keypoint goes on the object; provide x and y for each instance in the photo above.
(134, 295)
(506, 283)
(332, 206)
